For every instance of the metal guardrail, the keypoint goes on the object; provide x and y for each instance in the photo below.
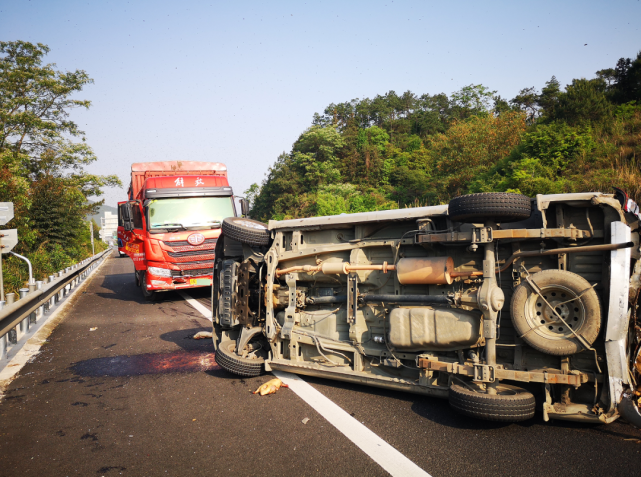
(17, 316)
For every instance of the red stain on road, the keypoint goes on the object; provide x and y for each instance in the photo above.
(151, 363)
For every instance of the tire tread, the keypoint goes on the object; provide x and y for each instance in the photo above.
(245, 235)
(501, 408)
(499, 206)
(231, 362)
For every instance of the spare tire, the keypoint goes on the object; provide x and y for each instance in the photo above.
(494, 206)
(247, 231)
(572, 297)
(509, 404)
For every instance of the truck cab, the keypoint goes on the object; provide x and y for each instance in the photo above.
(170, 225)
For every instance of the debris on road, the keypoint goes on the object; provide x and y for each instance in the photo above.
(201, 335)
(306, 420)
(93, 329)
(270, 387)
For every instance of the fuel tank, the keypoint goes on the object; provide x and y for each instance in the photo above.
(438, 329)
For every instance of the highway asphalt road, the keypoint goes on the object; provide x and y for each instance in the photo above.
(139, 397)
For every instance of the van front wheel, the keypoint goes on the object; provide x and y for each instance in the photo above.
(227, 359)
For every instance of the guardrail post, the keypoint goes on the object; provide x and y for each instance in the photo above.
(70, 284)
(3, 340)
(3, 347)
(41, 309)
(12, 335)
(24, 324)
(32, 316)
(61, 293)
(52, 300)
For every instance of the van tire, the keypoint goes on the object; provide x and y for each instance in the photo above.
(490, 206)
(510, 404)
(227, 359)
(246, 231)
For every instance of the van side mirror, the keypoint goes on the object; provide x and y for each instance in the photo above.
(244, 207)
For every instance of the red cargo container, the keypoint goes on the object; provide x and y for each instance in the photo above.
(171, 222)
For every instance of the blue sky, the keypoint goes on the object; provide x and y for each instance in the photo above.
(237, 82)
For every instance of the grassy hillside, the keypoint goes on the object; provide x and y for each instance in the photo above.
(405, 150)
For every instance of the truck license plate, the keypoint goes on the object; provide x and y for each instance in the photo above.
(200, 281)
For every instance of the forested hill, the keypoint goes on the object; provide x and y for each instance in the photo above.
(406, 150)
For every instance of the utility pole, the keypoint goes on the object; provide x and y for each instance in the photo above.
(91, 228)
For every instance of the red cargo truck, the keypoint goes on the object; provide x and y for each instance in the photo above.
(170, 224)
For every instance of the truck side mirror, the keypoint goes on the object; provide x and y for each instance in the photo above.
(244, 207)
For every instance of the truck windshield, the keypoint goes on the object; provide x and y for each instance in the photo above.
(190, 212)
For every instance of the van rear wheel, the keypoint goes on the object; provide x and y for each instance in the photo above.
(509, 404)
(495, 206)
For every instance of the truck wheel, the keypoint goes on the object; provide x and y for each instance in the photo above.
(495, 206)
(227, 359)
(149, 295)
(509, 404)
(247, 231)
(572, 297)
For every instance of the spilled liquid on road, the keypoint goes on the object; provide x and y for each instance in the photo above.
(152, 363)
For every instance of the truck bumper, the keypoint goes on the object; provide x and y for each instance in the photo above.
(161, 284)
(155, 283)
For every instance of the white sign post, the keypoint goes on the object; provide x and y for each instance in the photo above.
(8, 238)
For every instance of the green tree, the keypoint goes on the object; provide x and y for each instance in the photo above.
(42, 158)
(470, 148)
(543, 163)
(471, 100)
(627, 77)
(35, 129)
(549, 97)
(526, 101)
(583, 101)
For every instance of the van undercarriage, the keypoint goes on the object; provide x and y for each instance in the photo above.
(479, 302)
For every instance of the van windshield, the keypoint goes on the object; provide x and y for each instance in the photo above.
(189, 212)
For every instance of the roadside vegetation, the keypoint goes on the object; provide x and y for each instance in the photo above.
(42, 158)
(407, 150)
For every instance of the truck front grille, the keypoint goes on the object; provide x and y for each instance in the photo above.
(191, 253)
(184, 243)
(195, 272)
(182, 252)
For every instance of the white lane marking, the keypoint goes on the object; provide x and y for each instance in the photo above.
(202, 309)
(376, 448)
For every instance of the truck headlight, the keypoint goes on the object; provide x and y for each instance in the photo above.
(159, 272)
